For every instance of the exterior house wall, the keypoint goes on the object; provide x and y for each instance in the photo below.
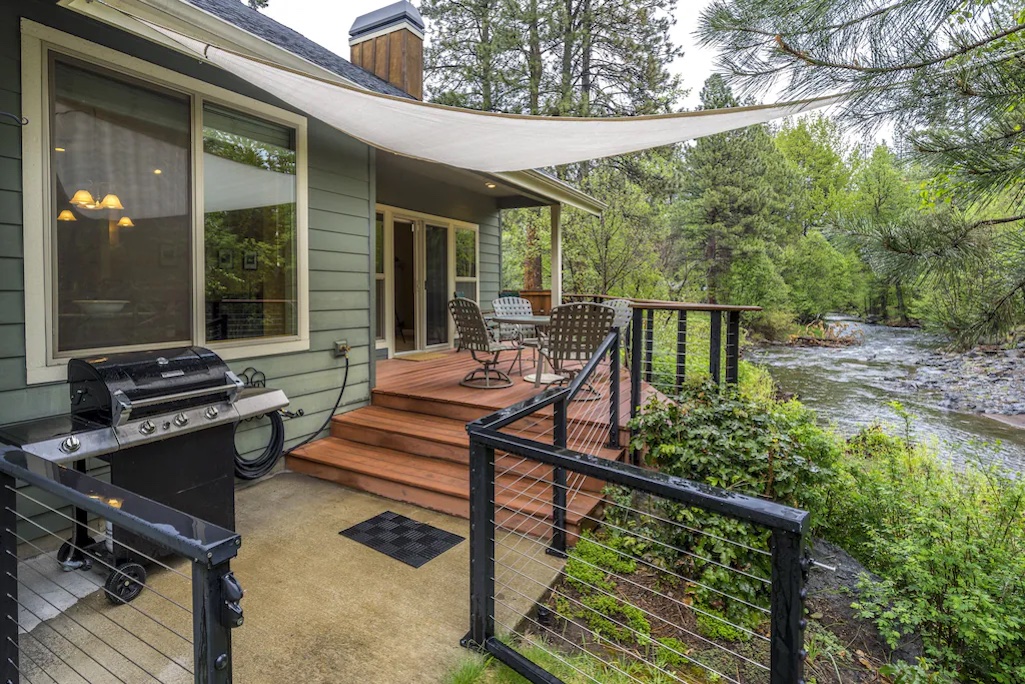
(340, 201)
(419, 193)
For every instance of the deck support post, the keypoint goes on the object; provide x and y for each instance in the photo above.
(9, 648)
(732, 347)
(558, 547)
(789, 568)
(556, 260)
(637, 330)
(614, 382)
(715, 347)
(482, 546)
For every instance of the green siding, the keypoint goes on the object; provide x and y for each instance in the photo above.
(341, 203)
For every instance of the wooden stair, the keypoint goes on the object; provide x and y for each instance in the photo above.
(416, 450)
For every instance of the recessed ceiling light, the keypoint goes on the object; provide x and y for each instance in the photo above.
(58, 149)
(157, 171)
(491, 185)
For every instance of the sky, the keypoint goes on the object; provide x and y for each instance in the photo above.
(327, 22)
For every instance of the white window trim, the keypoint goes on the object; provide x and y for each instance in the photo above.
(37, 41)
(391, 213)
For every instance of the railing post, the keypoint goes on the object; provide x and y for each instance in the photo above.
(637, 330)
(482, 546)
(732, 347)
(216, 611)
(681, 349)
(715, 347)
(614, 393)
(649, 346)
(558, 547)
(789, 568)
(9, 661)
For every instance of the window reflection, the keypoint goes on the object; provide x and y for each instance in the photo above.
(250, 227)
(122, 231)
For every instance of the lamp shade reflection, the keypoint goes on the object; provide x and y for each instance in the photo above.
(125, 222)
(111, 201)
(66, 215)
(83, 198)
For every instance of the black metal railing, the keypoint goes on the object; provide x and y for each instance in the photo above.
(628, 572)
(171, 598)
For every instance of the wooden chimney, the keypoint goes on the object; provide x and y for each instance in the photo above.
(389, 43)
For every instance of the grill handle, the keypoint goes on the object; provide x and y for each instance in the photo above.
(124, 406)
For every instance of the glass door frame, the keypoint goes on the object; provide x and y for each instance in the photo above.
(420, 221)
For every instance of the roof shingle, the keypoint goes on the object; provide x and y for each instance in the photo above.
(241, 15)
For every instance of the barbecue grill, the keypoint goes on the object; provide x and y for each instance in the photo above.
(165, 421)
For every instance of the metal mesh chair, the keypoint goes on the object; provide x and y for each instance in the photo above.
(623, 313)
(475, 336)
(521, 335)
(576, 332)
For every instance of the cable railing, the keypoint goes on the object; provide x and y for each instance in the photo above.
(139, 593)
(593, 568)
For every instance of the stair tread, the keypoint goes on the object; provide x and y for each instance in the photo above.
(447, 431)
(438, 475)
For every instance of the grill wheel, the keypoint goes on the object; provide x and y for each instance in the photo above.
(125, 583)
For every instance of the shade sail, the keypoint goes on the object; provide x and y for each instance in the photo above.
(481, 141)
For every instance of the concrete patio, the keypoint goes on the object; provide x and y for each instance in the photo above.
(318, 606)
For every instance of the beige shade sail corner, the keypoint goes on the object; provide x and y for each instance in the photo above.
(481, 141)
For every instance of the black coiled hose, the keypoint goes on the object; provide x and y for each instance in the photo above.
(253, 469)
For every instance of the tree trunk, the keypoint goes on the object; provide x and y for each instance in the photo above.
(901, 308)
(532, 257)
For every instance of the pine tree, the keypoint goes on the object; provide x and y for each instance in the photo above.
(728, 197)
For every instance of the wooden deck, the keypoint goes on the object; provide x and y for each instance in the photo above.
(411, 444)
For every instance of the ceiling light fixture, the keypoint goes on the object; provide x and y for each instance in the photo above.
(111, 201)
(491, 185)
(157, 172)
(83, 198)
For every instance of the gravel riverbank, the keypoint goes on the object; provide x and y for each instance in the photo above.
(987, 380)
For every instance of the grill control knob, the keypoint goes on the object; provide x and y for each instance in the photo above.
(181, 420)
(211, 412)
(148, 428)
(71, 445)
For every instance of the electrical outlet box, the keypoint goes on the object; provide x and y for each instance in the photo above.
(341, 348)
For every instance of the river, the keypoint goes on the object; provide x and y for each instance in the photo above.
(851, 386)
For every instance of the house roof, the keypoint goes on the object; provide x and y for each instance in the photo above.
(260, 25)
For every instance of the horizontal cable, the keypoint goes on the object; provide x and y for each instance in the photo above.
(653, 566)
(21, 652)
(642, 636)
(101, 561)
(661, 619)
(600, 640)
(67, 614)
(66, 638)
(565, 662)
(104, 589)
(105, 536)
(705, 613)
(50, 650)
(104, 615)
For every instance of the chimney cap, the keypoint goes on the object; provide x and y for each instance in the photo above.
(387, 17)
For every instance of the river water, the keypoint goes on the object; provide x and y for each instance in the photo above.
(851, 386)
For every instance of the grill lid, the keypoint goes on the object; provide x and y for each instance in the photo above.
(111, 387)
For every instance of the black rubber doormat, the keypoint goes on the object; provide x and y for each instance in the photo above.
(414, 543)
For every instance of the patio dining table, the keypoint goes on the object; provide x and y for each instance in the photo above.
(538, 377)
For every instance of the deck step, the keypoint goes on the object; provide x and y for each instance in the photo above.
(444, 438)
(523, 503)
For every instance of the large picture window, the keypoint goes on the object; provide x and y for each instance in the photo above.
(176, 211)
(121, 176)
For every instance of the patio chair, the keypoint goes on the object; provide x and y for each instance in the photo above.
(475, 336)
(521, 335)
(623, 313)
(576, 332)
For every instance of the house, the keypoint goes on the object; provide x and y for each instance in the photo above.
(152, 200)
